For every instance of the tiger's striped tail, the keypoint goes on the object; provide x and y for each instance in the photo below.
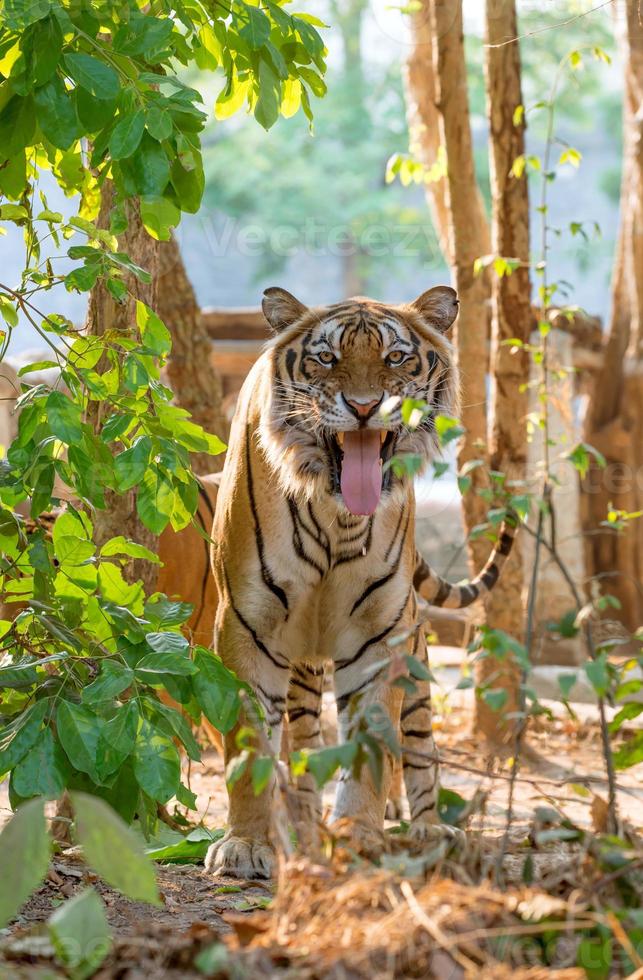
(438, 592)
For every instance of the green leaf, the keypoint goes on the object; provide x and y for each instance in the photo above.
(8, 312)
(166, 663)
(114, 587)
(19, 14)
(159, 215)
(155, 500)
(20, 734)
(154, 333)
(123, 546)
(217, 690)
(566, 682)
(156, 764)
(127, 135)
(13, 212)
(186, 797)
(231, 98)
(597, 674)
(131, 465)
(112, 849)
(94, 114)
(627, 713)
(148, 172)
(188, 182)
(17, 126)
(159, 123)
(631, 753)
(260, 772)
(117, 739)
(324, 763)
(79, 730)
(46, 48)
(13, 173)
(24, 857)
(172, 722)
(164, 612)
(594, 953)
(64, 417)
(80, 934)
(315, 81)
(495, 698)
(98, 78)
(291, 100)
(168, 642)
(257, 29)
(447, 429)
(44, 769)
(56, 114)
(268, 97)
(113, 679)
(36, 366)
(187, 850)
(451, 806)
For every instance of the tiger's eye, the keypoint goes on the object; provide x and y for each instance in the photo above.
(396, 357)
(326, 357)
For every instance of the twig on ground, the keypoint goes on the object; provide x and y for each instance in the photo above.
(533, 781)
(434, 929)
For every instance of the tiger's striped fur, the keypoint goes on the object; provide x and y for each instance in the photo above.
(438, 592)
(301, 580)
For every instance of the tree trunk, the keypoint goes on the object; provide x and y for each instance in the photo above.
(613, 421)
(348, 16)
(511, 317)
(190, 372)
(105, 314)
(440, 87)
(425, 134)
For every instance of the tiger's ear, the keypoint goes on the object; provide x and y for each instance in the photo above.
(439, 306)
(281, 309)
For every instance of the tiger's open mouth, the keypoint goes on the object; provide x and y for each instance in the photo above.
(357, 466)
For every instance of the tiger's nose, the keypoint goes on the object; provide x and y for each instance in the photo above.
(361, 409)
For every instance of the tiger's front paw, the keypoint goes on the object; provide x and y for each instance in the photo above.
(239, 857)
(394, 808)
(436, 833)
(360, 836)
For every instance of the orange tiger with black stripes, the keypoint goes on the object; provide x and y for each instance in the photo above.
(314, 555)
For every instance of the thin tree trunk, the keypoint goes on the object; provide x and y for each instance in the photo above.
(613, 421)
(512, 317)
(425, 134)
(105, 314)
(190, 372)
(466, 232)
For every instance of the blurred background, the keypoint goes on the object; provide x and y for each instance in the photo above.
(317, 215)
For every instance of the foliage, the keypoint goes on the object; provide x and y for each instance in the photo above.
(325, 197)
(87, 659)
(80, 934)
(108, 73)
(109, 847)
(92, 94)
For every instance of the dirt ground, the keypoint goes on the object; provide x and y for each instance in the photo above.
(562, 765)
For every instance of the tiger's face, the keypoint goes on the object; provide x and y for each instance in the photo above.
(341, 375)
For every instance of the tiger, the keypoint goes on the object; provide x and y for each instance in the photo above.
(314, 554)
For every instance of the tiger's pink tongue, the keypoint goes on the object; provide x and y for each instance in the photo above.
(361, 471)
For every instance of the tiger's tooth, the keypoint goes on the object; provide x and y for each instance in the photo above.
(383, 435)
(340, 438)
